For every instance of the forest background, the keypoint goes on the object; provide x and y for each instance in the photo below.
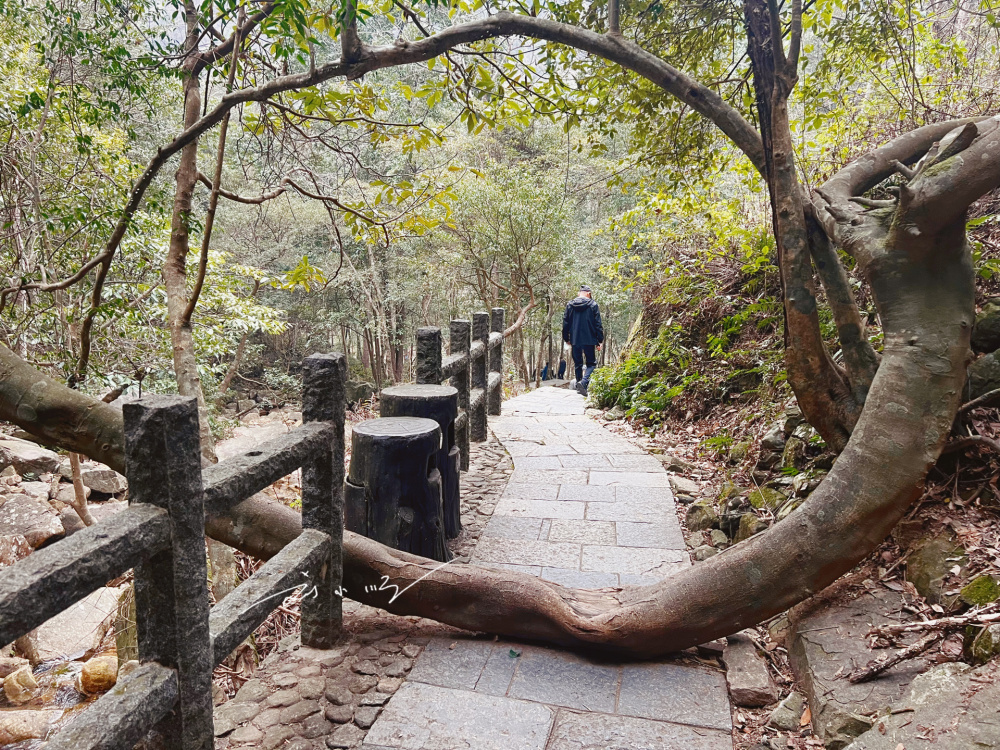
(344, 215)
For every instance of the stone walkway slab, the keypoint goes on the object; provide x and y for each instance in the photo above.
(587, 509)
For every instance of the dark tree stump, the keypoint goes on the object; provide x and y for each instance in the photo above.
(440, 403)
(393, 490)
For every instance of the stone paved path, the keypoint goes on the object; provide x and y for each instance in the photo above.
(584, 508)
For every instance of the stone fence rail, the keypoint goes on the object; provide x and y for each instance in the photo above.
(474, 365)
(161, 536)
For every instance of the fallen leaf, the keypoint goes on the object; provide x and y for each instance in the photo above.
(938, 608)
(455, 643)
(893, 585)
(900, 746)
(514, 654)
(806, 717)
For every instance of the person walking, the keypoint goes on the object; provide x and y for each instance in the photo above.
(583, 331)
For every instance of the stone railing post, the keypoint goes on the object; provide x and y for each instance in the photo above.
(323, 382)
(478, 367)
(494, 395)
(163, 466)
(459, 342)
(429, 356)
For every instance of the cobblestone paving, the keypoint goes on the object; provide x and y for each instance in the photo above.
(583, 508)
(302, 699)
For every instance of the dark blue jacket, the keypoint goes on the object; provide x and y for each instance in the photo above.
(582, 323)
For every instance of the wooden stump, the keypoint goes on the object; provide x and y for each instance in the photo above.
(393, 490)
(440, 403)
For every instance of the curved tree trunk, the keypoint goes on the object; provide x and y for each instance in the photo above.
(917, 262)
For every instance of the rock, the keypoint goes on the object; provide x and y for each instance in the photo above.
(282, 698)
(930, 562)
(986, 330)
(683, 486)
(794, 454)
(730, 521)
(315, 726)
(13, 547)
(27, 458)
(986, 645)
(824, 461)
(767, 460)
(359, 391)
(365, 716)
(253, 691)
(35, 490)
(75, 630)
(366, 667)
(788, 713)
(99, 674)
(615, 413)
(18, 726)
(340, 714)
(298, 711)
(788, 507)
(719, 538)
(67, 495)
(774, 438)
(980, 591)
(127, 668)
(36, 521)
(398, 668)
(248, 733)
(10, 664)
(702, 553)
(389, 685)
(749, 526)
(20, 685)
(106, 481)
(728, 491)
(99, 511)
(701, 515)
(828, 632)
(362, 683)
(953, 708)
(230, 715)
(311, 688)
(805, 433)
(739, 451)
(793, 418)
(673, 463)
(338, 695)
(750, 684)
(345, 736)
(765, 497)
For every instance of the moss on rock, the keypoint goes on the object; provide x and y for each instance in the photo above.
(980, 591)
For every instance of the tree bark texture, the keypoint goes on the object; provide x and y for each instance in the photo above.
(175, 266)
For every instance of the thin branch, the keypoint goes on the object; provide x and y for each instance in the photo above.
(968, 441)
(877, 666)
(213, 199)
(983, 400)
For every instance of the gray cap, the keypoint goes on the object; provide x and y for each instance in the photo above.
(584, 288)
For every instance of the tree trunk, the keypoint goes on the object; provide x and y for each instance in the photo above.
(175, 265)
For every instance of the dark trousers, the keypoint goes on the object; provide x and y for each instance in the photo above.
(580, 353)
